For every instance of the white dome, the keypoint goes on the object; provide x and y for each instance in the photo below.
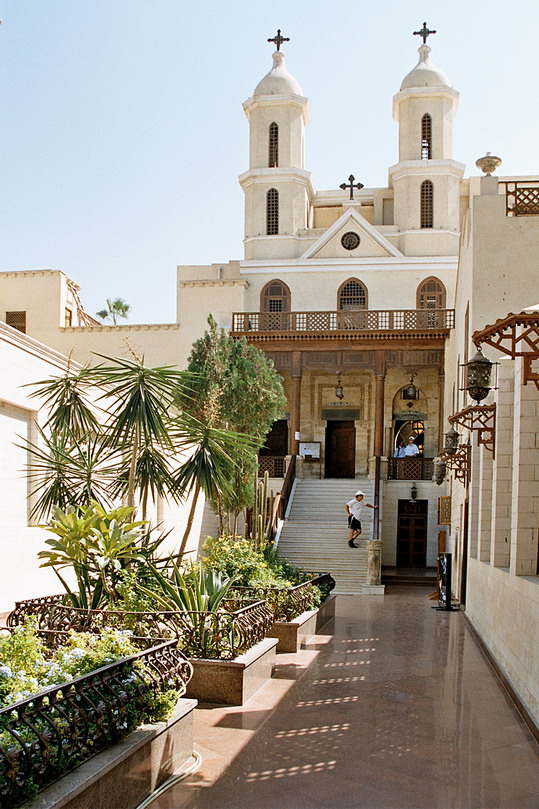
(425, 73)
(278, 81)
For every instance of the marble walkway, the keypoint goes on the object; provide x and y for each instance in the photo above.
(397, 709)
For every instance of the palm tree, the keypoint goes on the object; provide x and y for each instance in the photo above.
(115, 308)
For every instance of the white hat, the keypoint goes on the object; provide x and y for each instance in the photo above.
(362, 493)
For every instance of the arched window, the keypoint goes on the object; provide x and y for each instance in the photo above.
(273, 151)
(352, 295)
(426, 137)
(275, 297)
(272, 212)
(426, 204)
(431, 294)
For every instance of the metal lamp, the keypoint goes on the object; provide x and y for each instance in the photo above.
(452, 439)
(478, 373)
(410, 391)
(413, 493)
(339, 392)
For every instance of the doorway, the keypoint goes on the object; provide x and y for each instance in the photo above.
(276, 441)
(340, 449)
(412, 533)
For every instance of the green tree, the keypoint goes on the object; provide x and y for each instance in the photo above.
(115, 308)
(238, 389)
(126, 436)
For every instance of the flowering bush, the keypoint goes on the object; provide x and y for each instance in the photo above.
(27, 666)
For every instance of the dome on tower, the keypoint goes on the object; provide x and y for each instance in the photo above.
(425, 73)
(278, 81)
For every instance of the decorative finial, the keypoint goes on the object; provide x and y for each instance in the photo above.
(424, 33)
(488, 163)
(350, 185)
(278, 39)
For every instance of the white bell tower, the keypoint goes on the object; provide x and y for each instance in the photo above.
(426, 180)
(277, 188)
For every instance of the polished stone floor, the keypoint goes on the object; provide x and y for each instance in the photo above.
(397, 709)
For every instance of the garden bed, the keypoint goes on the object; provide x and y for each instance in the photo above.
(49, 733)
(293, 635)
(233, 682)
(140, 763)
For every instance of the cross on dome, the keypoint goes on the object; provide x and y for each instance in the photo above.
(278, 39)
(350, 185)
(424, 33)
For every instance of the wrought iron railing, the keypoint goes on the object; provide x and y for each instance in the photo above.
(219, 635)
(40, 608)
(287, 604)
(521, 199)
(344, 320)
(412, 468)
(54, 731)
(272, 464)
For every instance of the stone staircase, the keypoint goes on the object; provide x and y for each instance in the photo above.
(315, 535)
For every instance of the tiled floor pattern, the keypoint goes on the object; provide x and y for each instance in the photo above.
(397, 710)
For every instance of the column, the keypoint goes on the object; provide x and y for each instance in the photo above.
(441, 402)
(379, 382)
(525, 493)
(295, 409)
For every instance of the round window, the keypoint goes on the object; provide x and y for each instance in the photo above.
(350, 240)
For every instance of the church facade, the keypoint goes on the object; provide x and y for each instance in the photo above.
(370, 301)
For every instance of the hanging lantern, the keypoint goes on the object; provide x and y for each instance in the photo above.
(439, 470)
(478, 372)
(413, 493)
(339, 392)
(410, 391)
(452, 439)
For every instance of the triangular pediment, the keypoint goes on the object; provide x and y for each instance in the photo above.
(371, 243)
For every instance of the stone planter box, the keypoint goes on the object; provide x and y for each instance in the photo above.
(233, 682)
(326, 611)
(122, 776)
(293, 635)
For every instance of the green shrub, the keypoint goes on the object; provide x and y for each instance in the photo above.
(237, 558)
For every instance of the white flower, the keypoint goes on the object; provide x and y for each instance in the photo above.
(5, 671)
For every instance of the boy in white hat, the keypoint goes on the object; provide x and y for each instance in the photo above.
(353, 509)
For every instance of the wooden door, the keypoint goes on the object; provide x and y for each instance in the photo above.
(412, 533)
(340, 449)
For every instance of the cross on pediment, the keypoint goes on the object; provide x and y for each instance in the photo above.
(424, 33)
(350, 185)
(278, 39)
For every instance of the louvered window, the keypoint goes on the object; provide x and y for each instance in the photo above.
(431, 294)
(273, 159)
(426, 204)
(275, 297)
(352, 295)
(272, 212)
(17, 320)
(426, 137)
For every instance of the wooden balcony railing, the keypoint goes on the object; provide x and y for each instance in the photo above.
(345, 320)
(412, 468)
(272, 464)
(522, 198)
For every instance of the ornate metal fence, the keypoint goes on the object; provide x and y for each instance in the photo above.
(52, 732)
(287, 604)
(216, 635)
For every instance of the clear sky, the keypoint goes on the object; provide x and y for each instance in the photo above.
(123, 132)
